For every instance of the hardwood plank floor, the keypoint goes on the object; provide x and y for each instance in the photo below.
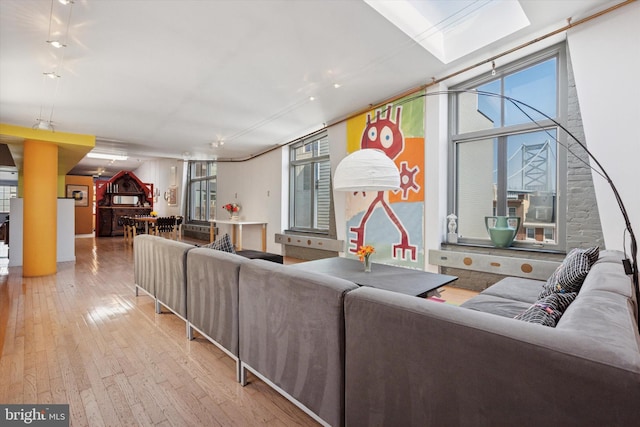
(82, 337)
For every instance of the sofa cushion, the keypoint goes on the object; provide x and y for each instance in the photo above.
(599, 278)
(516, 288)
(569, 275)
(222, 244)
(496, 305)
(548, 310)
(251, 254)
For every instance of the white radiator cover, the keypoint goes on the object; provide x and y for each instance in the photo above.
(507, 266)
(322, 243)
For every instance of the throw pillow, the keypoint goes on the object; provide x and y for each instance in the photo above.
(548, 310)
(222, 244)
(593, 254)
(569, 275)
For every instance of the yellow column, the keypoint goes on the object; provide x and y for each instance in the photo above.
(40, 208)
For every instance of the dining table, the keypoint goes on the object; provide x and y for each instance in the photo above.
(147, 220)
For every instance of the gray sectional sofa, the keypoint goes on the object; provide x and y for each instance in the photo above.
(413, 362)
(362, 356)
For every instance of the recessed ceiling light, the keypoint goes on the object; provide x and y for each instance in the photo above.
(311, 98)
(337, 85)
(56, 44)
(65, 2)
(52, 75)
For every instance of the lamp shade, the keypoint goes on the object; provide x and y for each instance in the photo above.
(366, 170)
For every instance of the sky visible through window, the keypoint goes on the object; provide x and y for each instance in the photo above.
(535, 85)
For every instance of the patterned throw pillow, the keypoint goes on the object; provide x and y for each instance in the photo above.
(593, 254)
(222, 244)
(569, 275)
(548, 310)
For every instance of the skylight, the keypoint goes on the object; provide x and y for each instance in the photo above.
(454, 28)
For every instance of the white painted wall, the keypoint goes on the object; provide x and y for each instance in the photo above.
(260, 187)
(606, 60)
(158, 172)
(436, 165)
(337, 151)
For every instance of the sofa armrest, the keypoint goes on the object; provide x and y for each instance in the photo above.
(292, 333)
(170, 258)
(411, 361)
(212, 295)
(144, 273)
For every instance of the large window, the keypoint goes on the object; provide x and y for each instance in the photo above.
(202, 190)
(506, 161)
(310, 185)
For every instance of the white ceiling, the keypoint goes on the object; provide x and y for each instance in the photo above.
(167, 78)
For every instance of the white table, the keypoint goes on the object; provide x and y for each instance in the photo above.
(236, 231)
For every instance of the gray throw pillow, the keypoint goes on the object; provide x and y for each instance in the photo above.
(569, 275)
(222, 244)
(548, 310)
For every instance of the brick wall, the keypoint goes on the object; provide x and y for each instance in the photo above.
(583, 221)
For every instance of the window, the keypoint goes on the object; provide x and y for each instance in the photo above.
(202, 184)
(7, 192)
(310, 192)
(505, 162)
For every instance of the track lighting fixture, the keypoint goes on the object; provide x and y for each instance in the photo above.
(43, 125)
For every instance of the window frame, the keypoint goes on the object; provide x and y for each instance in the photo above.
(7, 192)
(211, 165)
(559, 52)
(315, 161)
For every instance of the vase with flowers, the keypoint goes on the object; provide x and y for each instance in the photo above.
(233, 209)
(364, 253)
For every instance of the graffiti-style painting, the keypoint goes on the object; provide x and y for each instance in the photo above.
(391, 221)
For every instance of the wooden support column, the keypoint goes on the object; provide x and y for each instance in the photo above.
(40, 208)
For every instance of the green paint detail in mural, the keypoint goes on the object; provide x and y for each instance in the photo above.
(412, 115)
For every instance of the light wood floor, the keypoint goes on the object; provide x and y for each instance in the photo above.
(82, 337)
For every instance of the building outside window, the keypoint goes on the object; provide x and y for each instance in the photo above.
(310, 192)
(202, 187)
(505, 162)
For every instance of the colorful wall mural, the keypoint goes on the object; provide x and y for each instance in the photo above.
(390, 221)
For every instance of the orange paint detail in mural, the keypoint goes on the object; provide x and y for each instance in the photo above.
(411, 174)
